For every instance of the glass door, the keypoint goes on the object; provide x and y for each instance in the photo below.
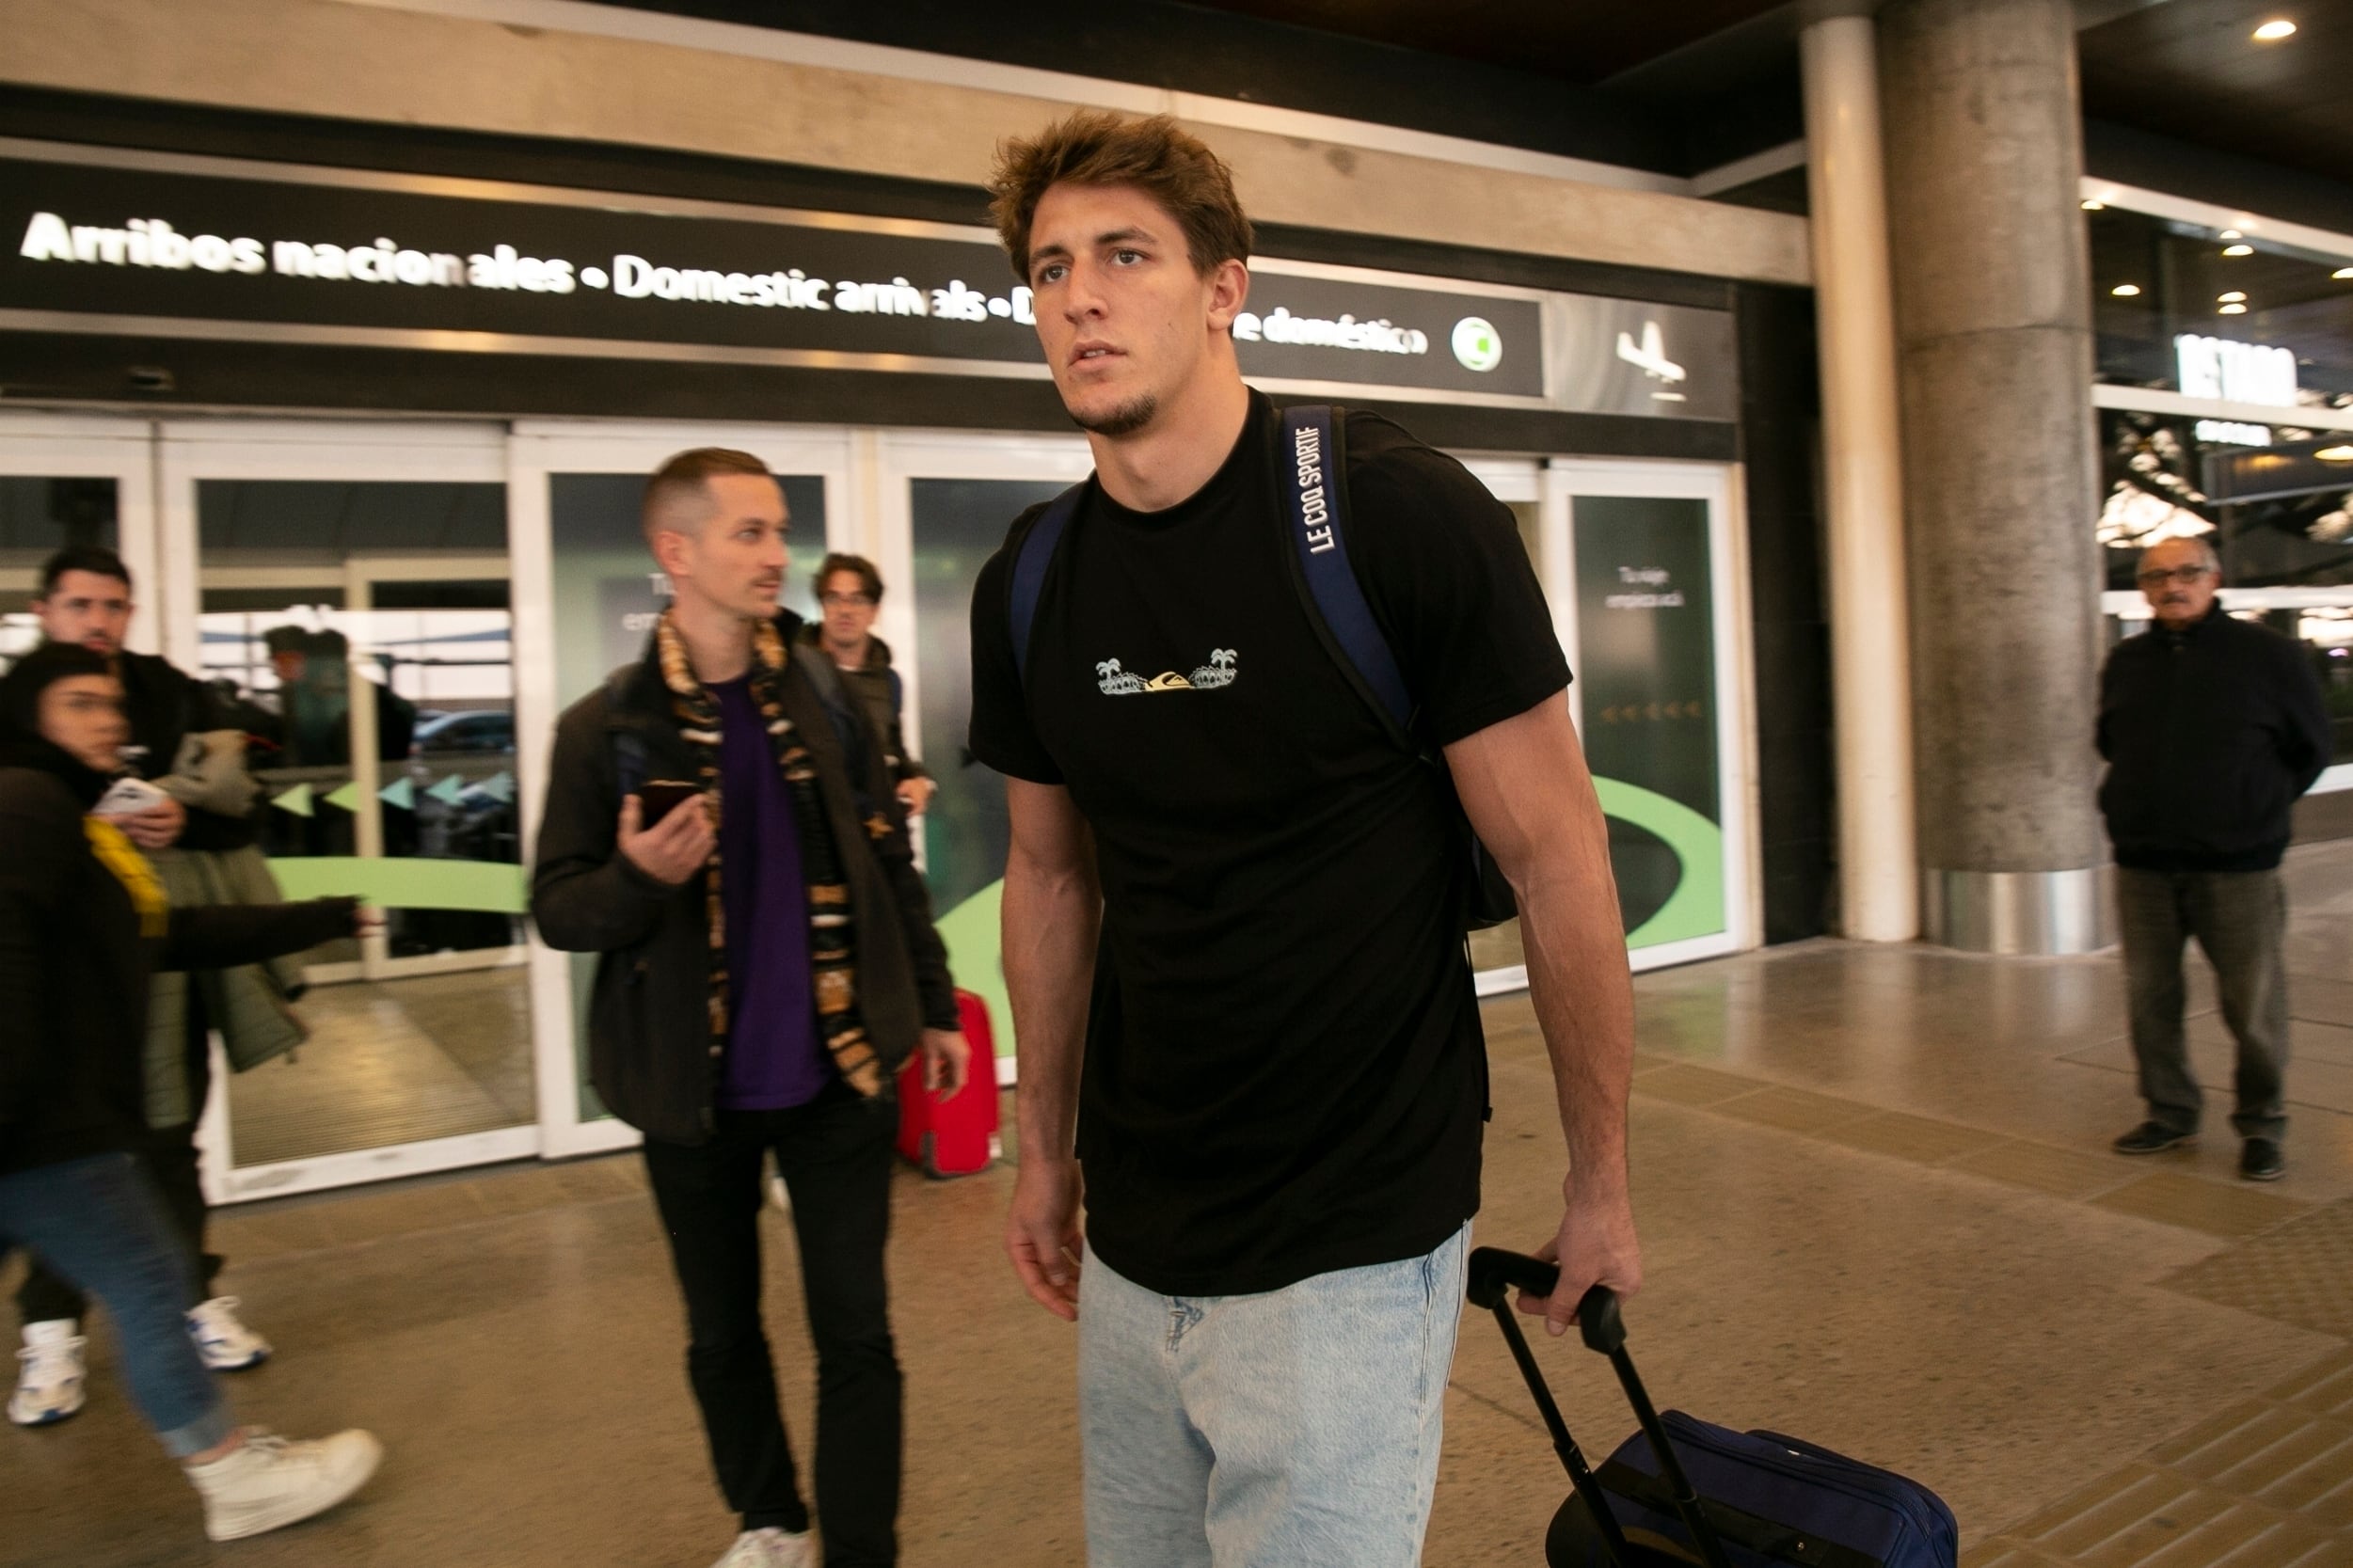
(587, 598)
(1644, 567)
(346, 591)
(947, 504)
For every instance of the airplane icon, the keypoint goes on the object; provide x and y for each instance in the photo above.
(1651, 356)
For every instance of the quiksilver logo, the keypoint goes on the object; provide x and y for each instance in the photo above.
(1307, 451)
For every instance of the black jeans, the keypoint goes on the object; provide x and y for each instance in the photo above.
(168, 1156)
(835, 1155)
(2240, 920)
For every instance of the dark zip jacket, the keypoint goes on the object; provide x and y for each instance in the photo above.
(648, 1018)
(877, 686)
(2210, 735)
(74, 967)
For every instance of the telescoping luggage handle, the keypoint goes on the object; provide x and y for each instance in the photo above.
(1494, 1273)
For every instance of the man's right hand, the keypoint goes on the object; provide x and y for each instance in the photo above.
(673, 849)
(1042, 1235)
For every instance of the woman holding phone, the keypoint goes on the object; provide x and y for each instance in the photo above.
(83, 924)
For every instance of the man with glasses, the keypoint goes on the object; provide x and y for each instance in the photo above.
(849, 591)
(2211, 727)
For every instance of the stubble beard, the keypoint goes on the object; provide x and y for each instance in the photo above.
(1125, 419)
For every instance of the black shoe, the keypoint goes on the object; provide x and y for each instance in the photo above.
(2260, 1161)
(2153, 1138)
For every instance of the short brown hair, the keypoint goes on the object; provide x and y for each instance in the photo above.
(689, 474)
(869, 578)
(1095, 148)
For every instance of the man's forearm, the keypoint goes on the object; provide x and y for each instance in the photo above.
(1050, 924)
(1584, 1000)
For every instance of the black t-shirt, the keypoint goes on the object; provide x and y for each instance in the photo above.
(1285, 1073)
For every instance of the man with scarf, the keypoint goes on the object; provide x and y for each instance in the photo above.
(766, 962)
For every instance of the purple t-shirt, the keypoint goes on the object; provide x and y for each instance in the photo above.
(773, 1057)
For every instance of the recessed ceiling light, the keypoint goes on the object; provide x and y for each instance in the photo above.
(2343, 272)
(2231, 310)
(2238, 251)
(2095, 206)
(2272, 32)
(2335, 454)
(2233, 234)
(2233, 297)
(2125, 291)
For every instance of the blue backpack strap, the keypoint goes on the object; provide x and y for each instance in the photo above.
(1312, 476)
(1030, 562)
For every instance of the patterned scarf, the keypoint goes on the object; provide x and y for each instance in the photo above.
(832, 935)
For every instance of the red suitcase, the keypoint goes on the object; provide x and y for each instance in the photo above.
(957, 1137)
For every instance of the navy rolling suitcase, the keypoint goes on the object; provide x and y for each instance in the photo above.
(1682, 1491)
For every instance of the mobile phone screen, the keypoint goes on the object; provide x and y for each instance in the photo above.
(663, 795)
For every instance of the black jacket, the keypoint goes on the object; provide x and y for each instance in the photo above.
(74, 970)
(877, 687)
(648, 1021)
(2210, 735)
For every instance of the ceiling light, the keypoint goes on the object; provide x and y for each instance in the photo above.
(2272, 32)
(2231, 310)
(2095, 206)
(2238, 251)
(2233, 234)
(2125, 291)
(2335, 454)
(2233, 297)
(2343, 272)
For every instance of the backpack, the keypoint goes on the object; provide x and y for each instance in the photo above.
(1315, 506)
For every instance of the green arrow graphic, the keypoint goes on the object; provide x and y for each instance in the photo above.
(345, 799)
(297, 800)
(448, 790)
(402, 794)
(500, 786)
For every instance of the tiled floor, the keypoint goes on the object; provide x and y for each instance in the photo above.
(1877, 1209)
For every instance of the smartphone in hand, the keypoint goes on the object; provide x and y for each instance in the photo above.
(658, 797)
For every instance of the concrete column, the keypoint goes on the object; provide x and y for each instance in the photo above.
(1863, 477)
(1994, 336)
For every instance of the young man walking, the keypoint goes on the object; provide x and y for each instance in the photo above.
(766, 962)
(848, 596)
(1233, 905)
(85, 601)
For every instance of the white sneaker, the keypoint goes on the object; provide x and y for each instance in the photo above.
(268, 1481)
(226, 1344)
(49, 1386)
(770, 1548)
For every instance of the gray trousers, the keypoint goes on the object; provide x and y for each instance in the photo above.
(2240, 920)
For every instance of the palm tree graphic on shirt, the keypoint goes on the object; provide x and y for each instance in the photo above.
(1114, 680)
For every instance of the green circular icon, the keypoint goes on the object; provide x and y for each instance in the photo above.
(1477, 344)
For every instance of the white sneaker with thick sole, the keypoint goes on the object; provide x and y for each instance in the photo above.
(770, 1548)
(226, 1344)
(49, 1385)
(268, 1481)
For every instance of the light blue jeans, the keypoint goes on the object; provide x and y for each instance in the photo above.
(1294, 1429)
(97, 1221)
